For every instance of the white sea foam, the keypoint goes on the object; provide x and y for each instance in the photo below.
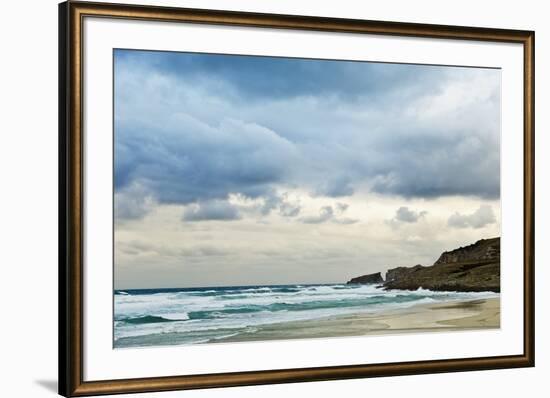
(196, 314)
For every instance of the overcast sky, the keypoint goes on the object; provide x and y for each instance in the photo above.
(239, 170)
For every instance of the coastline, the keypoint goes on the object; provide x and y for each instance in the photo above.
(448, 316)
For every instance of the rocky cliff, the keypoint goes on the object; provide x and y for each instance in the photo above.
(472, 268)
(367, 279)
(401, 272)
(484, 249)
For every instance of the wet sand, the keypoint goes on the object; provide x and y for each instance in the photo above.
(449, 316)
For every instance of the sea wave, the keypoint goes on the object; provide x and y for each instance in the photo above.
(194, 314)
(145, 319)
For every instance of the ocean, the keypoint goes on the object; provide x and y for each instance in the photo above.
(156, 317)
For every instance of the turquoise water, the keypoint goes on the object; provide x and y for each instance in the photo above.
(151, 317)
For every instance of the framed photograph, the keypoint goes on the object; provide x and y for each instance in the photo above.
(252, 198)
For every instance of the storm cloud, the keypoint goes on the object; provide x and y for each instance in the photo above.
(248, 78)
(241, 170)
(197, 128)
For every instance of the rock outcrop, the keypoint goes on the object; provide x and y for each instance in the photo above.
(472, 268)
(367, 279)
(484, 249)
(401, 272)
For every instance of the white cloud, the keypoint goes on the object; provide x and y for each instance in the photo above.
(161, 250)
(133, 202)
(211, 210)
(480, 218)
(404, 215)
(326, 213)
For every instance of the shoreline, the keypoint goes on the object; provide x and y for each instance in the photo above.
(459, 315)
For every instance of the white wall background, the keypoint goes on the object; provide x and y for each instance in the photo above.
(28, 197)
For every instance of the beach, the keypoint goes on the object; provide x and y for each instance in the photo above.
(156, 317)
(440, 317)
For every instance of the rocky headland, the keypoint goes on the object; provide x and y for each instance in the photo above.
(472, 268)
(368, 279)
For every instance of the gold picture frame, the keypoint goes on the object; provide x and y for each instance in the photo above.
(71, 206)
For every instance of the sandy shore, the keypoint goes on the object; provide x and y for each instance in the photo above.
(456, 315)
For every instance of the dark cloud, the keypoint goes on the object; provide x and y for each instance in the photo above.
(404, 214)
(326, 213)
(478, 219)
(184, 161)
(193, 128)
(341, 207)
(256, 77)
(434, 163)
(212, 210)
(133, 203)
(289, 208)
(337, 187)
(271, 202)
